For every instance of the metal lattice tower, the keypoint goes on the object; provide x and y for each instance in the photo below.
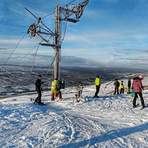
(67, 13)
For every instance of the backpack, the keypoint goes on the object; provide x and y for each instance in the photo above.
(61, 84)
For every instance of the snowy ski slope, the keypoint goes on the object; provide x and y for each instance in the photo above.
(104, 122)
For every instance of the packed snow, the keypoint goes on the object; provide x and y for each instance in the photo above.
(105, 122)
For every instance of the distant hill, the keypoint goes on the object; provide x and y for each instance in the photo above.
(79, 62)
(42, 60)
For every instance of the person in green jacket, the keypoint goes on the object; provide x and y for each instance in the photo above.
(97, 83)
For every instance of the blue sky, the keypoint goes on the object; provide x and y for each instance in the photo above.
(111, 32)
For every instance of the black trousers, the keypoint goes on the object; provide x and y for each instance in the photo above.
(116, 90)
(97, 90)
(38, 99)
(129, 89)
(79, 93)
(122, 91)
(60, 94)
(141, 98)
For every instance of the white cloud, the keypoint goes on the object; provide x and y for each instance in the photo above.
(115, 37)
(12, 43)
(76, 38)
(15, 41)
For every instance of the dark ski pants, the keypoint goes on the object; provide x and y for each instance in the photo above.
(135, 98)
(122, 91)
(129, 90)
(79, 93)
(116, 90)
(97, 90)
(38, 99)
(60, 95)
(54, 95)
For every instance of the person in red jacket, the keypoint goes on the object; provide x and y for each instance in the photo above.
(137, 88)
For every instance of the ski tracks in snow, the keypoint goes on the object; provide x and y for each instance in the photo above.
(104, 122)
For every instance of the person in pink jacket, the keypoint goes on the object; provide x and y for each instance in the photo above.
(137, 88)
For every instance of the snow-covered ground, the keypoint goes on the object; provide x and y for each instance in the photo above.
(105, 122)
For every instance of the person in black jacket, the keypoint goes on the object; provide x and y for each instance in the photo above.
(116, 84)
(129, 86)
(38, 88)
(61, 85)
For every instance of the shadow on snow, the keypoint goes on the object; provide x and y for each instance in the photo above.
(108, 97)
(107, 136)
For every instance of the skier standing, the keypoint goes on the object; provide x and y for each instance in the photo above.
(56, 87)
(98, 84)
(129, 86)
(121, 88)
(38, 84)
(137, 88)
(60, 85)
(79, 92)
(54, 92)
(116, 84)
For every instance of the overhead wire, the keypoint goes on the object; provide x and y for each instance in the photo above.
(34, 57)
(64, 34)
(52, 62)
(13, 51)
(48, 29)
(57, 2)
(50, 14)
(71, 2)
(25, 55)
(11, 54)
(35, 54)
(51, 65)
(19, 42)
